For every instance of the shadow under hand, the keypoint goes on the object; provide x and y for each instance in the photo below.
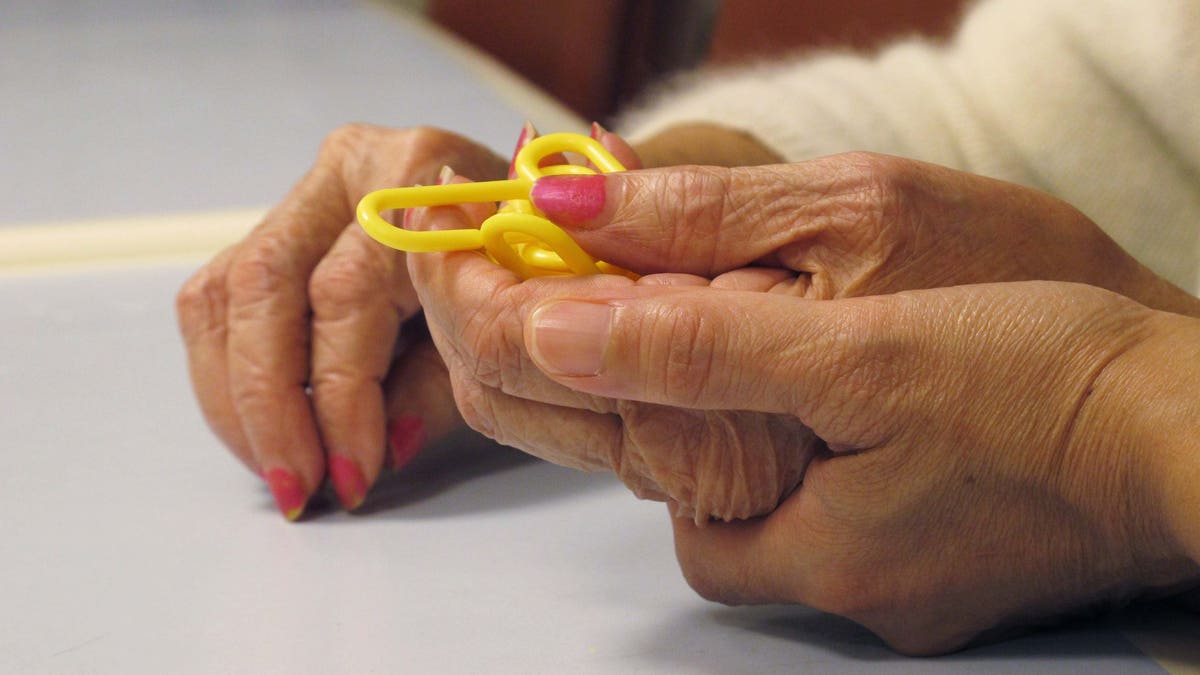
(739, 639)
(468, 473)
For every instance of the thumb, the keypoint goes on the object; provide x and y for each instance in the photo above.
(692, 219)
(824, 362)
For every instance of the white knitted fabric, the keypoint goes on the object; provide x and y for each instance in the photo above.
(1095, 101)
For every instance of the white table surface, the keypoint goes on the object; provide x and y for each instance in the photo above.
(130, 542)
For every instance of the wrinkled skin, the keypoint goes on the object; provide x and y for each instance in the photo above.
(307, 299)
(995, 453)
(294, 334)
(956, 444)
(842, 226)
(966, 443)
(723, 464)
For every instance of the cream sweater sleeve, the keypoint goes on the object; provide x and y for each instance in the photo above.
(1097, 102)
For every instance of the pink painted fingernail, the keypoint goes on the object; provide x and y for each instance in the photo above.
(288, 491)
(348, 481)
(570, 338)
(569, 200)
(406, 436)
(528, 133)
(597, 131)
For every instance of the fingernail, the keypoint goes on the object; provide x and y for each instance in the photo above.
(409, 214)
(528, 133)
(348, 481)
(406, 437)
(445, 175)
(569, 200)
(289, 492)
(597, 131)
(570, 338)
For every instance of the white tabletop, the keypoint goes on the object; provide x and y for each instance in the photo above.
(132, 543)
(118, 107)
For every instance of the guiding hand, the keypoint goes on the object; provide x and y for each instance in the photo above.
(294, 335)
(983, 462)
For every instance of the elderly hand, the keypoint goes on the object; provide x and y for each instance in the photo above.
(841, 226)
(990, 454)
(292, 334)
(846, 225)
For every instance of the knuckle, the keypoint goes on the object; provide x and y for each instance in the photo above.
(370, 154)
(426, 141)
(337, 379)
(681, 346)
(347, 140)
(428, 148)
(882, 184)
(253, 391)
(345, 281)
(860, 369)
(200, 302)
(704, 202)
(704, 190)
(351, 152)
(760, 199)
(484, 346)
(263, 269)
(475, 406)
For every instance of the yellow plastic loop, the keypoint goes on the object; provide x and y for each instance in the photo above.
(519, 236)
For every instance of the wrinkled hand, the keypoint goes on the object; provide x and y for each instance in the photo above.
(840, 226)
(292, 334)
(991, 454)
(726, 464)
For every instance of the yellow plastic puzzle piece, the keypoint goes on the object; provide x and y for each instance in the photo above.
(519, 236)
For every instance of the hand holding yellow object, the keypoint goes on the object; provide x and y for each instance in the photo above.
(519, 236)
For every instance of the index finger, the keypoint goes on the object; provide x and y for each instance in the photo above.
(268, 336)
(693, 219)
